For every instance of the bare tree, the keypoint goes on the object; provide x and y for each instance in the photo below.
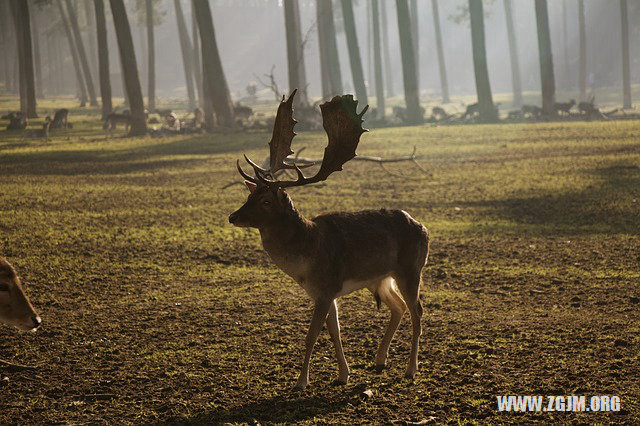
(415, 38)
(82, 54)
(216, 90)
(151, 49)
(197, 63)
(129, 68)
(565, 45)
(583, 50)
(295, 52)
(36, 52)
(387, 55)
(444, 85)
(487, 109)
(513, 55)
(103, 58)
(354, 53)
(187, 50)
(546, 59)
(380, 104)
(74, 55)
(626, 81)
(20, 11)
(414, 112)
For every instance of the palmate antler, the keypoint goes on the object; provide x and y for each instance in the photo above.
(343, 126)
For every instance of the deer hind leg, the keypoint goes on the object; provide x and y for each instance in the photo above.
(333, 325)
(410, 288)
(388, 294)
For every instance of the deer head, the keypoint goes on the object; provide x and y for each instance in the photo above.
(15, 308)
(268, 201)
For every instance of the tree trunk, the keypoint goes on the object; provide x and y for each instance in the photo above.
(380, 107)
(488, 113)
(36, 54)
(216, 89)
(74, 55)
(197, 64)
(332, 50)
(444, 85)
(354, 51)
(25, 53)
(82, 54)
(415, 39)
(546, 59)
(513, 55)
(626, 82)
(19, 74)
(565, 47)
(92, 41)
(325, 80)
(5, 46)
(129, 67)
(295, 54)
(103, 58)
(583, 50)
(151, 48)
(414, 114)
(387, 55)
(187, 50)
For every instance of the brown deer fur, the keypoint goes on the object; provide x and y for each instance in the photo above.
(335, 254)
(15, 307)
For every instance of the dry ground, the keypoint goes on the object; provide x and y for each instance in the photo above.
(157, 311)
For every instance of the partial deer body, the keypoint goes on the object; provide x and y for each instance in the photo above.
(15, 308)
(335, 254)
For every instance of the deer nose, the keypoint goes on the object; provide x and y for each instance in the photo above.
(233, 217)
(37, 321)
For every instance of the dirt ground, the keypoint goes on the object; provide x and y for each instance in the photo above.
(155, 310)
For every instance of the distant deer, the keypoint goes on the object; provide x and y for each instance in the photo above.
(113, 119)
(588, 107)
(471, 111)
(40, 133)
(15, 308)
(533, 111)
(335, 254)
(564, 107)
(17, 121)
(60, 119)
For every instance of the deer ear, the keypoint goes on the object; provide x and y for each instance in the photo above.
(250, 185)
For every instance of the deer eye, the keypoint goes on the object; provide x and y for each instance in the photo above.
(266, 203)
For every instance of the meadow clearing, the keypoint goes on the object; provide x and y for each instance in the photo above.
(156, 310)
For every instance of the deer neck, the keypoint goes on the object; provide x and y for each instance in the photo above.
(288, 236)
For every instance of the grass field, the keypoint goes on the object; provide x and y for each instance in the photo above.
(156, 310)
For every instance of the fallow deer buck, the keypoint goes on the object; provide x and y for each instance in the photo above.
(15, 307)
(335, 254)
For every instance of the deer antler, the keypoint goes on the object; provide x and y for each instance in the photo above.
(343, 125)
(283, 134)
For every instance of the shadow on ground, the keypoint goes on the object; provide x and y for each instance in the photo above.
(286, 408)
(119, 161)
(604, 208)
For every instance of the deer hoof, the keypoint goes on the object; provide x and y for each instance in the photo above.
(379, 368)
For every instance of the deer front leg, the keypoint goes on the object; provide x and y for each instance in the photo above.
(333, 325)
(320, 312)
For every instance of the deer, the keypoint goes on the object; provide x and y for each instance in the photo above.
(113, 119)
(15, 308)
(335, 254)
(60, 119)
(564, 107)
